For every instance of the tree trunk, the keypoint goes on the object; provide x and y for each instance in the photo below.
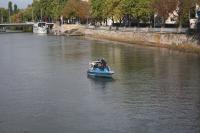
(180, 25)
(113, 20)
(163, 22)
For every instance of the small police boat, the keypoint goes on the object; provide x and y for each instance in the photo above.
(99, 69)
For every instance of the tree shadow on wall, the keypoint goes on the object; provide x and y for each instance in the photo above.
(194, 35)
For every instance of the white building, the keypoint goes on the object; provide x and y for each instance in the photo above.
(173, 17)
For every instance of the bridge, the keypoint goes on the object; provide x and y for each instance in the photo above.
(16, 24)
(23, 26)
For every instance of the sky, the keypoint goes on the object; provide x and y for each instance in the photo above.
(20, 3)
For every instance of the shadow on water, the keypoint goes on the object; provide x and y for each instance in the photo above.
(101, 81)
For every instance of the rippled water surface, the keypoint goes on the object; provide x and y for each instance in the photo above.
(44, 87)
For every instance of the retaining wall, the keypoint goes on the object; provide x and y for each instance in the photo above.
(143, 37)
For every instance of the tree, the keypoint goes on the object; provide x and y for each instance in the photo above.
(128, 6)
(83, 11)
(117, 9)
(57, 7)
(3, 15)
(71, 9)
(10, 8)
(17, 18)
(48, 8)
(184, 8)
(76, 9)
(15, 8)
(181, 10)
(97, 7)
(119, 12)
(27, 14)
(142, 10)
(112, 9)
(196, 2)
(163, 8)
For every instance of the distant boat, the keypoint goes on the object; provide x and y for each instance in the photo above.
(97, 69)
(40, 28)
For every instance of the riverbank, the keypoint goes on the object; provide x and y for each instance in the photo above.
(173, 41)
(68, 30)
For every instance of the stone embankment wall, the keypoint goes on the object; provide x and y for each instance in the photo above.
(175, 41)
(68, 29)
(148, 38)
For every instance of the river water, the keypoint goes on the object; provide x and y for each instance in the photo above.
(44, 87)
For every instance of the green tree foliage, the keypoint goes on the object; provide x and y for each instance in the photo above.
(10, 8)
(45, 8)
(48, 8)
(142, 10)
(27, 13)
(100, 10)
(15, 8)
(97, 8)
(129, 5)
(3, 15)
(116, 9)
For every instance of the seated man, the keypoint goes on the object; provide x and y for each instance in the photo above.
(103, 62)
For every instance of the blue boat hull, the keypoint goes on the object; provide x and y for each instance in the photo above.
(98, 73)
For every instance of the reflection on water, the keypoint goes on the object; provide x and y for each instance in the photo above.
(100, 82)
(44, 87)
(156, 85)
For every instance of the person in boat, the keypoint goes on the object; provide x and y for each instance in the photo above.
(96, 66)
(103, 62)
